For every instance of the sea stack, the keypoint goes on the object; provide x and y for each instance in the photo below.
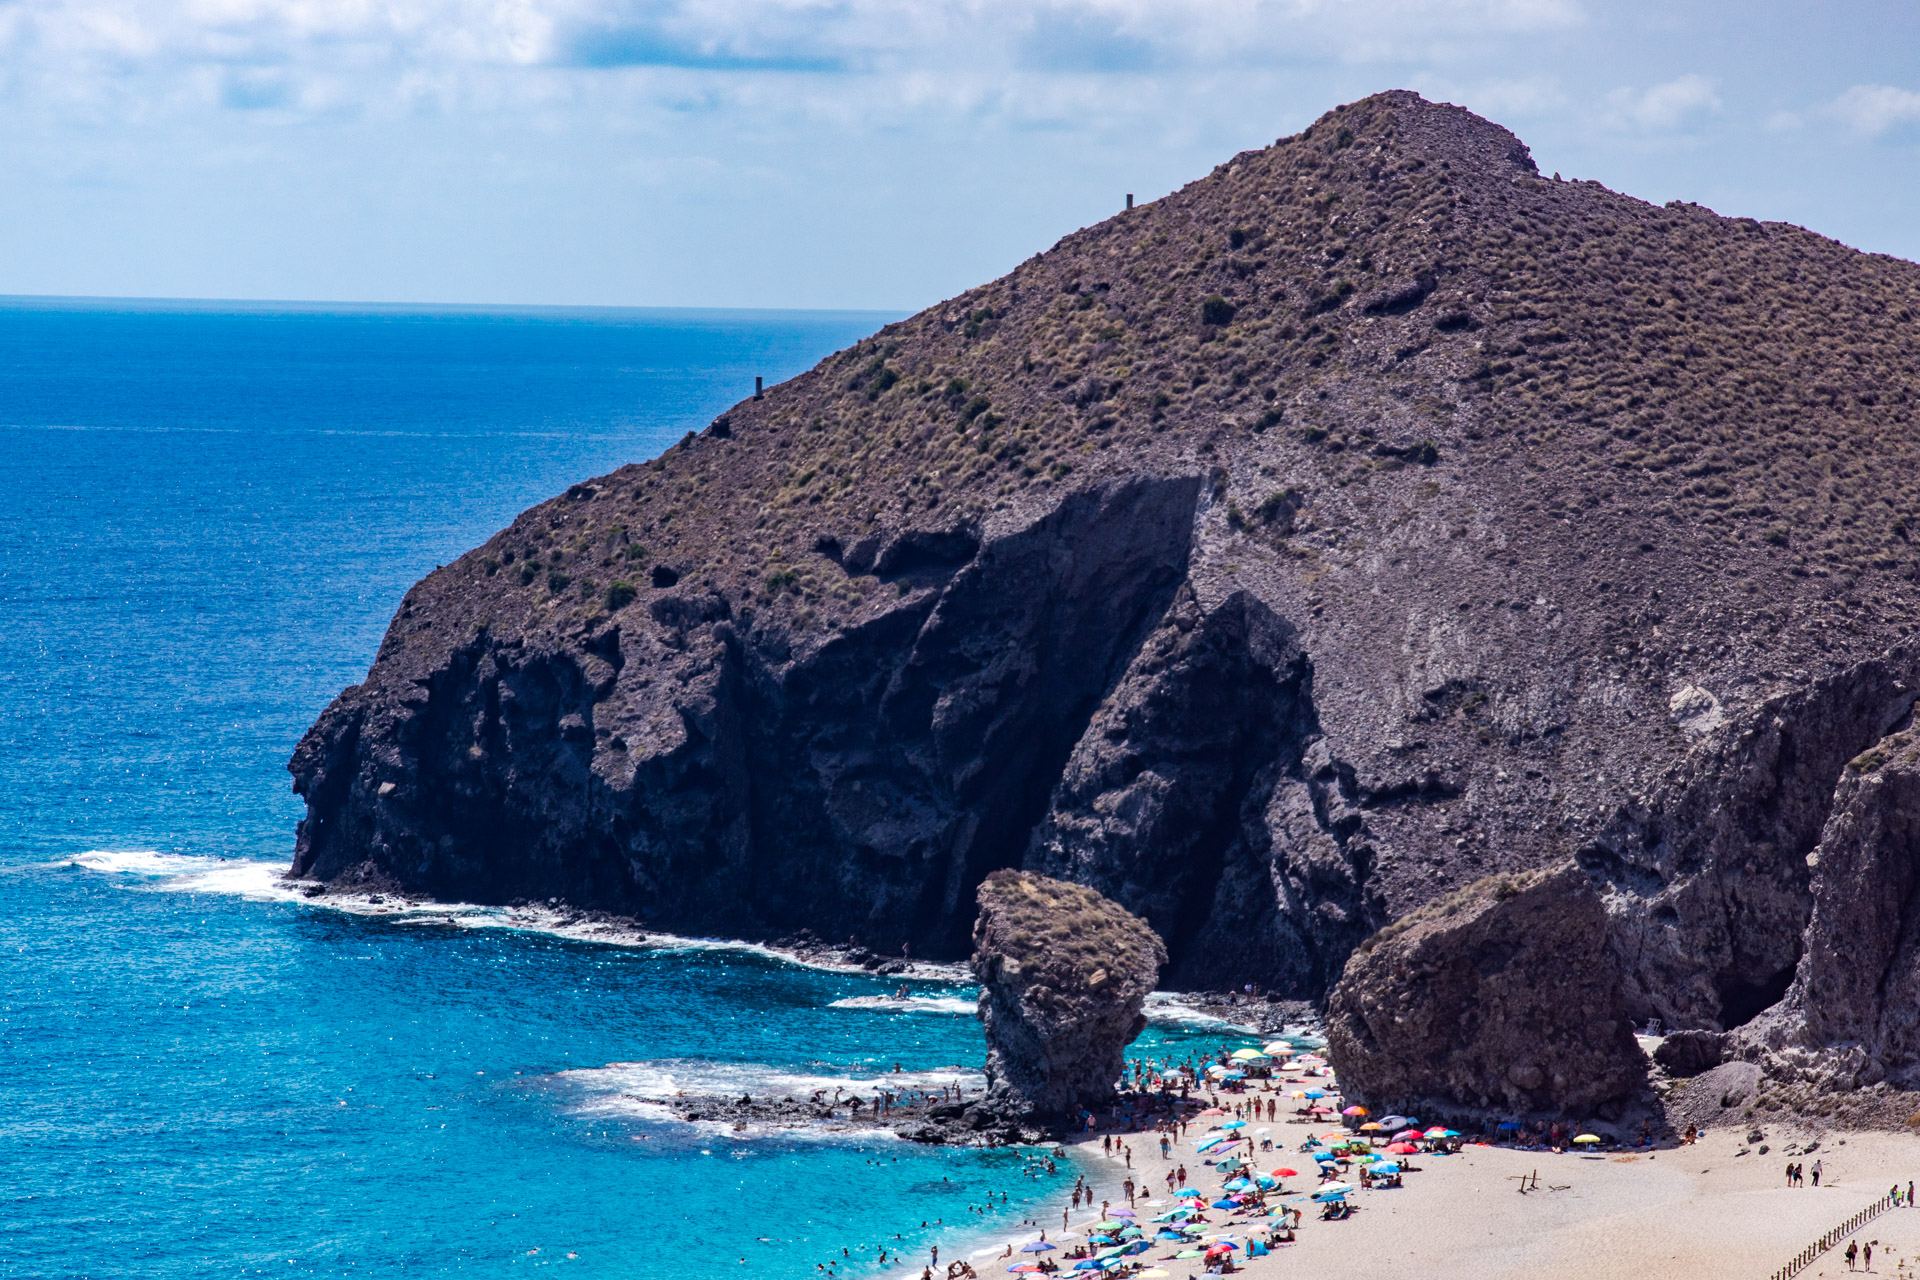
(1064, 976)
(1503, 997)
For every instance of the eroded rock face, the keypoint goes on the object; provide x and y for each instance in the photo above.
(1064, 976)
(1852, 1015)
(1504, 996)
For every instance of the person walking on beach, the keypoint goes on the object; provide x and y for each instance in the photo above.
(1789, 1173)
(1866, 1256)
(1166, 1147)
(1853, 1250)
(1816, 1173)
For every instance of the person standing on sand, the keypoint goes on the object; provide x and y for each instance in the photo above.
(1789, 1173)
(1866, 1256)
(1166, 1147)
(1853, 1253)
(1816, 1173)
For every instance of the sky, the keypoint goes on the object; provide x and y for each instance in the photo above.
(875, 154)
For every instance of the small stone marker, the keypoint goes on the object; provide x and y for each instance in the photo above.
(1129, 199)
(757, 386)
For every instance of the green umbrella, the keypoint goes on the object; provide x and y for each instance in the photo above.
(1191, 1253)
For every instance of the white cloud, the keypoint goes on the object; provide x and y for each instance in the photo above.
(1872, 109)
(1664, 107)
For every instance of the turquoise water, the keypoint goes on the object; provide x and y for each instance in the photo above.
(209, 514)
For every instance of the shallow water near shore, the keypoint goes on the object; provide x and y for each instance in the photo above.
(211, 513)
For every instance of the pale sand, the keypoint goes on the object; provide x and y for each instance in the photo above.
(1698, 1211)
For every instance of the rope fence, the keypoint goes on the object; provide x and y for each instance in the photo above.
(1803, 1259)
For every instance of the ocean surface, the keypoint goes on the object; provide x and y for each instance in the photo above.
(208, 512)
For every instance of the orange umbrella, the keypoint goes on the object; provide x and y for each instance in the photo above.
(1356, 1111)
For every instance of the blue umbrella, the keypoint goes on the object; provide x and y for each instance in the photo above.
(1035, 1246)
(1325, 1157)
(1184, 1193)
(1386, 1168)
(1225, 1204)
(1238, 1184)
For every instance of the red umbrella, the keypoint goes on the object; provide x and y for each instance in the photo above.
(1286, 1173)
(1402, 1148)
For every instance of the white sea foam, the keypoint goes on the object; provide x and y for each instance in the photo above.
(1169, 1009)
(266, 881)
(640, 1090)
(908, 1004)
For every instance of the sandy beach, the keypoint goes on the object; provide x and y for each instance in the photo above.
(1700, 1211)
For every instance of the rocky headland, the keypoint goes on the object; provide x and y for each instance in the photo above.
(1372, 516)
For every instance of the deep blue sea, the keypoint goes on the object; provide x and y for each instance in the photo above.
(208, 512)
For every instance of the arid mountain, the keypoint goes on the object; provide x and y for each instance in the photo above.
(1371, 516)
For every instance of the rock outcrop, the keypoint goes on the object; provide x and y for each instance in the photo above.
(1852, 1016)
(1064, 977)
(1502, 997)
(1369, 517)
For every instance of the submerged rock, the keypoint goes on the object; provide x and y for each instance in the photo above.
(1503, 996)
(1064, 977)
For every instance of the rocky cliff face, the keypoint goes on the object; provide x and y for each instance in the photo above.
(1064, 978)
(1369, 517)
(1504, 996)
(1852, 1016)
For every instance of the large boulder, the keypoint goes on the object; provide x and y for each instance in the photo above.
(1064, 976)
(1503, 996)
(1852, 1016)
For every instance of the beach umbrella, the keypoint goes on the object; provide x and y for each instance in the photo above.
(1386, 1166)
(1191, 1253)
(1286, 1173)
(1168, 1235)
(1372, 1126)
(1230, 1164)
(1225, 1204)
(1035, 1246)
(1587, 1139)
(1407, 1135)
(1234, 1124)
(1132, 1233)
(1315, 1093)
(1402, 1148)
(1277, 1049)
(1243, 1054)
(1325, 1157)
(1238, 1184)
(1265, 1183)
(1125, 1213)
(1507, 1124)
(1186, 1192)
(1108, 1226)
(1233, 1075)
(1394, 1122)
(1355, 1110)
(1438, 1132)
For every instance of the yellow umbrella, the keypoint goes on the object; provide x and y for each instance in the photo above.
(1587, 1139)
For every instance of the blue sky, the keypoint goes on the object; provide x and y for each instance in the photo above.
(845, 153)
